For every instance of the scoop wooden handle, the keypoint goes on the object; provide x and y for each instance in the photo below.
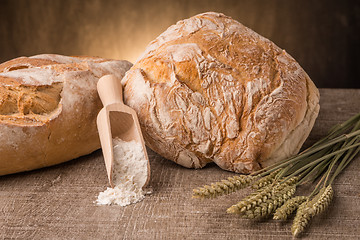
(110, 90)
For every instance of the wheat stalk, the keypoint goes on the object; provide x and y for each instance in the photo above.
(309, 209)
(275, 185)
(289, 207)
(321, 203)
(301, 220)
(269, 194)
(265, 181)
(227, 186)
(270, 205)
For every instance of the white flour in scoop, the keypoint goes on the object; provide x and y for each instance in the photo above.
(129, 175)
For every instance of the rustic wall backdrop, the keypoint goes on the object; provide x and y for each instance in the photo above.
(322, 35)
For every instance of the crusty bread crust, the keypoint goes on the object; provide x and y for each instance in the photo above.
(48, 109)
(210, 89)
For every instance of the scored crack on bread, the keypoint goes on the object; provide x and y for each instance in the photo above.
(48, 109)
(210, 89)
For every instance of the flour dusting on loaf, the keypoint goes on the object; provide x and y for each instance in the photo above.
(212, 89)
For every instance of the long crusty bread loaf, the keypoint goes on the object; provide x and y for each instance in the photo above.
(210, 89)
(48, 108)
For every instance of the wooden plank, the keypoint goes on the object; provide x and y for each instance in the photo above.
(58, 202)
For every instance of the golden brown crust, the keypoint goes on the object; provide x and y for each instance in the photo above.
(23, 63)
(48, 107)
(210, 89)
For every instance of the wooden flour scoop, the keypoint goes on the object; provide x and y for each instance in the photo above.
(116, 120)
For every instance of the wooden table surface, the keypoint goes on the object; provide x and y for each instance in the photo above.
(58, 202)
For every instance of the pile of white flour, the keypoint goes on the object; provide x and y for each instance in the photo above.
(129, 175)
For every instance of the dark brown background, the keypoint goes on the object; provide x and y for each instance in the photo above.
(322, 35)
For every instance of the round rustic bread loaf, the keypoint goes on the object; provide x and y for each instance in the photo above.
(48, 109)
(210, 89)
